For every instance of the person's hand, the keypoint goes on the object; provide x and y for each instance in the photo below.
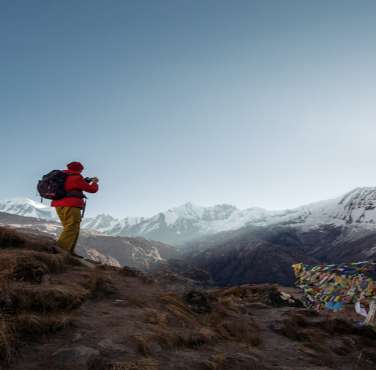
(95, 179)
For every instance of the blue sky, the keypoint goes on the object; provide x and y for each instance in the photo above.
(256, 103)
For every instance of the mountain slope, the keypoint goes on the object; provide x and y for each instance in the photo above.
(265, 254)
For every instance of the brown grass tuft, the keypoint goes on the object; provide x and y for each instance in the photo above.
(240, 330)
(10, 238)
(155, 317)
(7, 340)
(178, 309)
(46, 298)
(137, 301)
(99, 284)
(240, 361)
(32, 325)
(290, 329)
(31, 266)
(143, 345)
(143, 364)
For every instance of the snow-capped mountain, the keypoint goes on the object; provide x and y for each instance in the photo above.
(356, 207)
(109, 225)
(341, 230)
(27, 208)
(181, 224)
(188, 222)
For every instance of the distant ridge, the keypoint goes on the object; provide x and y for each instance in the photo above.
(190, 222)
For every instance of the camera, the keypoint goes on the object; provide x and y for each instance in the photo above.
(89, 179)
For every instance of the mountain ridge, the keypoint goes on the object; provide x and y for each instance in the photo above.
(190, 222)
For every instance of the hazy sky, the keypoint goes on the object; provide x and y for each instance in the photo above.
(265, 103)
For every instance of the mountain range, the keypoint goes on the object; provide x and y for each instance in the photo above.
(231, 246)
(188, 223)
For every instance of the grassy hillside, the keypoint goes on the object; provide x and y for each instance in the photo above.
(56, 313)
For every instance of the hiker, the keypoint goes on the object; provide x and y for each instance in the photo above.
(69, 208)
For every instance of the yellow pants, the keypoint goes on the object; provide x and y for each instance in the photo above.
(70, 217)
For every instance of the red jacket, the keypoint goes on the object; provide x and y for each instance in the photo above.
(75, 182)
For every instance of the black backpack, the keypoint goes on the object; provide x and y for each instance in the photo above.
(52, 185)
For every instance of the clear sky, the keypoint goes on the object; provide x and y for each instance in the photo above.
(265, 103)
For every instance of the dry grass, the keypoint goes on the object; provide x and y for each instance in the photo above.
(131, 272)
(323, 339)
(142, 364)
(176, 307)
(6, 340)
(262, 293)
(46, 298)
(31, 305)
(197, 338)
(240, 330)
(172, 339)
(137, 301)
(14, 239)
(10, 238)
(98, 283)
(199, 301)
(243, 362)
(31, 266)
(200, 330)
(155, 317)
(26, 325)
(31, 325)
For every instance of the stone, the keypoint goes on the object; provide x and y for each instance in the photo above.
(109, 345)
(198, 301)
(77, 337)
(75, 357)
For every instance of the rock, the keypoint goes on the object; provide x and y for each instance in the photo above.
(280, 299)
(109, 345)
(77, 337)
(198, 302)
(75, 357)
(154, 348)
(31, 271)
(86, 263)
(130, 272)
(257, 306)
(242, 361)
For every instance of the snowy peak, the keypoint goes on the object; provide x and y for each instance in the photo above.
(100, 223)
(188, 222)
(109, 225)
(194, 212)
(27, 208)
(359, 205)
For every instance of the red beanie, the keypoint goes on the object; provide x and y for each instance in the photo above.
(75, 166)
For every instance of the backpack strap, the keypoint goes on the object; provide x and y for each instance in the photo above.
(76, 194)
